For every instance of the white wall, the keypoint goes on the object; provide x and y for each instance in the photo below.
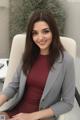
(4, 28)
(72, 26)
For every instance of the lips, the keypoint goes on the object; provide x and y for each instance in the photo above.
(42, 42)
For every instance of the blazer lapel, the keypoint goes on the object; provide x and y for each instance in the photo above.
(52, 77)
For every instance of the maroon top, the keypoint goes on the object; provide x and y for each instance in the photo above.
(35, 84)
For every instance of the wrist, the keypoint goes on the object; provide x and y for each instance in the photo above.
(34, 115)
(42, 114)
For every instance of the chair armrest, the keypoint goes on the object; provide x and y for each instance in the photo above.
(61, 117)
(74, 114)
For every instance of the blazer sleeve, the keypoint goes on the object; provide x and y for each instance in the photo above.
(68, 90)
(13, 86)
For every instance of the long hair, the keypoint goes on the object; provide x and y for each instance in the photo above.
(32, 51)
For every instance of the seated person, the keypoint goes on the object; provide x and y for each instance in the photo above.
(45, 75)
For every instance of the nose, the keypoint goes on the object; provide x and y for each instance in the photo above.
(40, 36)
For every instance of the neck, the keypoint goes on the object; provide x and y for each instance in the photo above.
(44, 52)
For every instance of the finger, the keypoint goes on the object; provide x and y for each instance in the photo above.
(11, 119)
(17, 118)
(17, 115)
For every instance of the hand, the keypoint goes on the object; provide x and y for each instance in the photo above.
(23, 116)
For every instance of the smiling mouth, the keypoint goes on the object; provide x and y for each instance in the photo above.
(42, 43)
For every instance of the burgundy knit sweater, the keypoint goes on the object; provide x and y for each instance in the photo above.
(35, 84)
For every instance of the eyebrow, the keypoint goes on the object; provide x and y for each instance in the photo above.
(42, 29)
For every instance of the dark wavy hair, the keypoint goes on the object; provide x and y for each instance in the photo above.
(32, 51)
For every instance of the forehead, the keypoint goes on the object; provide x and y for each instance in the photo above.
(40, 25)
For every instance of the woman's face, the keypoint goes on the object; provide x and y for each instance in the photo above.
(42, 36)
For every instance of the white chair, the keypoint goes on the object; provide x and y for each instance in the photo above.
(17, 49)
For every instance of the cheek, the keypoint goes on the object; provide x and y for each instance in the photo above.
(34, 39)
(50, 38)
(50, 41)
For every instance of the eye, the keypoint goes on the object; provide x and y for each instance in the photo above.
(34, 33)
(46, 31)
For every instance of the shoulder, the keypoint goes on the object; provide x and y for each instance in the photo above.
(68, 60)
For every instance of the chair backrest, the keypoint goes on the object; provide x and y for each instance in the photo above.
(70, 45)
(18, 45)
(17, 49)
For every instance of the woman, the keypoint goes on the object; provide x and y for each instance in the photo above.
(45, 74)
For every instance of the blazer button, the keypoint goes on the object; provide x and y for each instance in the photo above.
(43, 100)
(41, 108)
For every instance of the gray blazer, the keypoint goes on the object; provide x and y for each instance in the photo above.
(59, 90)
